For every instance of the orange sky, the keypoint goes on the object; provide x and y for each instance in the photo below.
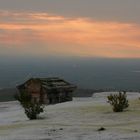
(44, 33)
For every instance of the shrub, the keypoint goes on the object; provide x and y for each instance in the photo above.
(118, 101)
(32, 109)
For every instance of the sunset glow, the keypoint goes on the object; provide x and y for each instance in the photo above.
(59, 35)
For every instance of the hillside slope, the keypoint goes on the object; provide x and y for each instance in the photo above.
(76, 120)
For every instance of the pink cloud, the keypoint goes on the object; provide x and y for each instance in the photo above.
(77, 36)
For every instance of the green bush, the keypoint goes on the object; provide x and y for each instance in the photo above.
(32, 109)
(118, 101)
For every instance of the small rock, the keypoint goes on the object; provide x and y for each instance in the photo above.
(53, 130)
(101, 129)
(135, 130)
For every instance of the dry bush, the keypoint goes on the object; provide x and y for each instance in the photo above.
(119, 101)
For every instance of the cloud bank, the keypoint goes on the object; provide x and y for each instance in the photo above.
(44, 33)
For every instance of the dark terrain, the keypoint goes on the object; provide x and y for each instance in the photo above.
(8, 94)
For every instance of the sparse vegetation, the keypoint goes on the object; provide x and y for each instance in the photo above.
(118, 101)
(32, 109)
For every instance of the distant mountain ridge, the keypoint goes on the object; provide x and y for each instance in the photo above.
(7, 94)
